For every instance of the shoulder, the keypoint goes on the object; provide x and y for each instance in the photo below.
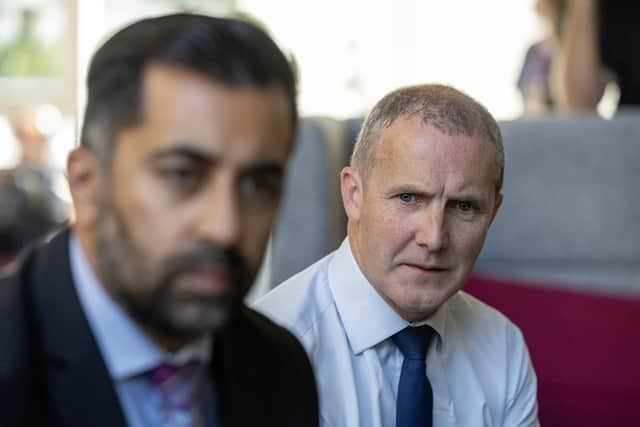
(473, 318)
(15, 312)
(471, 309)
(254, 336)
(264, 333)
(21, 295)
(301, 301)
(18, 358)
(264, 366)
(490, 339)
(13, 328)
(495, 348)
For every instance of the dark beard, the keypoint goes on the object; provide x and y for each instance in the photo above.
(125, 266)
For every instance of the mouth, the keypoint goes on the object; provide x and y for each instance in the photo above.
(205, 282)
(428, 269)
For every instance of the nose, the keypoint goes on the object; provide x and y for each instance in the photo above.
(432, 228)
(219, 218)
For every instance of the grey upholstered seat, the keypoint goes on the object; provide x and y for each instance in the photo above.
(312, 222)
(571, 213)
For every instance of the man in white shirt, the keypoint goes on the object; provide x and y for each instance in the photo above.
(391, 335)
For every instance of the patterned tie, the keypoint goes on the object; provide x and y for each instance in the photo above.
(181, 390)
(414, 404)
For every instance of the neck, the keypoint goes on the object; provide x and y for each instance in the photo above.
(172, 345)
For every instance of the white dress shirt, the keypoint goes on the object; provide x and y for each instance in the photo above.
(127, 351)
(478, 363)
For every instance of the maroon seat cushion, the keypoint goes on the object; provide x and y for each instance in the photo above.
(585, 350)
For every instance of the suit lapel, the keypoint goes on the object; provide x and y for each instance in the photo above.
(237, 378)
(78, 382)
(246, 375)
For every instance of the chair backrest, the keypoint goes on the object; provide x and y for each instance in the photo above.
(562, 260)
(312, 222)
(571, 207)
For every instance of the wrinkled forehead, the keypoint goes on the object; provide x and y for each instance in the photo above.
(408, 146)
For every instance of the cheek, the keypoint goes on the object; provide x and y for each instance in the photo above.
(136, 198)
(398, 225)
(467, 240)
(377, 220)
(150, 223)
(386, 236)
(256, 227)
(398, 234)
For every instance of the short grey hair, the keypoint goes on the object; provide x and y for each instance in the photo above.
(443, 107)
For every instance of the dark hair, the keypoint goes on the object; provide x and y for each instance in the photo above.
(232, 52)
(443, 107)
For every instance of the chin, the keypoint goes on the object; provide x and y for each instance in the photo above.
(417, 314)
(193, 322)
(422, 306)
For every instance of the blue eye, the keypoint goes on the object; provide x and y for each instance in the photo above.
(407, 197)
(465, 206)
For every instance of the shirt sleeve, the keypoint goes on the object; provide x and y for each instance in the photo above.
(522, 402)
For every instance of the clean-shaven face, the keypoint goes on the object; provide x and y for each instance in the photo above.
(419, 221)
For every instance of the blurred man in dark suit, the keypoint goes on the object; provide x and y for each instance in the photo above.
(134, 315)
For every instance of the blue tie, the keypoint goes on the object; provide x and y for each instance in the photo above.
(414, 405)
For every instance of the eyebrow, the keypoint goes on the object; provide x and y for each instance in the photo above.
(197, 154)
(265, 168)
(184, 150)
(408, 188)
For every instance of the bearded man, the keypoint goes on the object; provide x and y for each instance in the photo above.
(134, 316)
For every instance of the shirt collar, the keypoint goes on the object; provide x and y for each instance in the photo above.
(367, 318)
(125, 348)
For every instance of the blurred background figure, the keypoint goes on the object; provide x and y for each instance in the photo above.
(33, 142)
(32, 194)
(35, 122)
(534, 80)
(600, 47)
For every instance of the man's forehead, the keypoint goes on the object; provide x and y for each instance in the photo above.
(157, 75)
(187, 113)
(162, 83)
(412, 135)
(413, 148)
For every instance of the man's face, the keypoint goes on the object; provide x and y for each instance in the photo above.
(189, 200)
(419, 221)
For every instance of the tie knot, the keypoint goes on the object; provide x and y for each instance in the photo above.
(164, 372)
(179, 388)
(414, 342)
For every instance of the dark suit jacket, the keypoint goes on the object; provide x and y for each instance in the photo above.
(52, 372)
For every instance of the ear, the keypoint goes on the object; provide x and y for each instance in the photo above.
(85, 183)
(497, 205)
(352, 192)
